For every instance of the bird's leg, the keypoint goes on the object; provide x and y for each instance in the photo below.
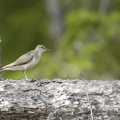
(24, 72)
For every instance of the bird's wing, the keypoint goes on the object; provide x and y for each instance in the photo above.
(21, 60)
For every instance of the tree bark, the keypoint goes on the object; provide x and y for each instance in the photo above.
(59, 99)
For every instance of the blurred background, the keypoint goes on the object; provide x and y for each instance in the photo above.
(84, 34)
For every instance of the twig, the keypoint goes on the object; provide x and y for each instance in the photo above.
(87, 88)
(0, 61)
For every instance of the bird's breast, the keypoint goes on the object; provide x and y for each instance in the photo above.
(34, 61)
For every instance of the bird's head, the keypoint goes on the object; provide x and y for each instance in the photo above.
(42, 48)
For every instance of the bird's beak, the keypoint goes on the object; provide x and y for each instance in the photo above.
(49, 50)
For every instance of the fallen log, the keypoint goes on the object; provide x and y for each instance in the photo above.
(59, 99)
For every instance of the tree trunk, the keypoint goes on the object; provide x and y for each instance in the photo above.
(104, 4)
(54, 9)
(59, 100)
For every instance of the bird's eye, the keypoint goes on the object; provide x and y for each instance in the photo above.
(42, 47)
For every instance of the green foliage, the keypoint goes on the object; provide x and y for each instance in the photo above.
(93, 41)
(90, 45)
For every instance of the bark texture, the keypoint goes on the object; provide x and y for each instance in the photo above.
(59, 99)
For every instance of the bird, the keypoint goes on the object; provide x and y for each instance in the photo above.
(27, 60)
